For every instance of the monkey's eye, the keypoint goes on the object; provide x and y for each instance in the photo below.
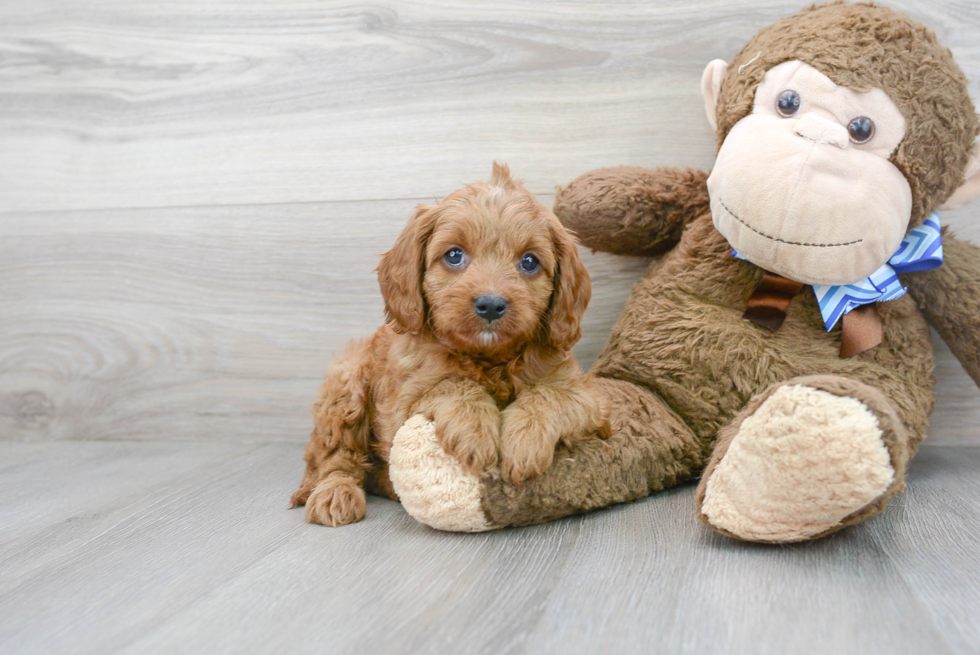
(454, 257)
(788, 103)
(861, 129)
(530, 263)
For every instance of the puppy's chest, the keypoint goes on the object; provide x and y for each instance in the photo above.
(498, 382)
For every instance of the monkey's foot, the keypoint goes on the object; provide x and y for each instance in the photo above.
(803, 461)
(433, 486)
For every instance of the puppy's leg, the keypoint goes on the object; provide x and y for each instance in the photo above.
(338, 452)
(542, 416)
(467, 421)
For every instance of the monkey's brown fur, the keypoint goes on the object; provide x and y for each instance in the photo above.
(508, 399)
(682, 368)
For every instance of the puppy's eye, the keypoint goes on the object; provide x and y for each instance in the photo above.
(454, 257)
(788, 103)
(530, 263)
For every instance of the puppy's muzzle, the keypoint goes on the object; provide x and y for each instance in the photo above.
(490, 308)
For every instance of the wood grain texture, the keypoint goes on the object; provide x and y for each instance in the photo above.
(219, 322)
(194, 194)
(195, 552)
(107, 104)
(193, 198)
(197, 323)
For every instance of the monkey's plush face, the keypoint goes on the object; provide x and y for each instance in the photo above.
(803, 185)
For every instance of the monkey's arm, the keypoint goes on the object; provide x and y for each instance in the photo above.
(630, 210)
(949, 296)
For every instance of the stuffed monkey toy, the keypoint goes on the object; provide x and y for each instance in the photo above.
(780, 348)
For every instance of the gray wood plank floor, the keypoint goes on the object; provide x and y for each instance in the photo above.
(189, 547)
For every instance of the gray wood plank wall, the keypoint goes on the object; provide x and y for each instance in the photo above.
(193, 195)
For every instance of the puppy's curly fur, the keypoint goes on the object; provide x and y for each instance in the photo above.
(501, 384)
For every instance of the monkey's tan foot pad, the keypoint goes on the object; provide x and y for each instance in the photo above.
(797, 467)
(432, 486)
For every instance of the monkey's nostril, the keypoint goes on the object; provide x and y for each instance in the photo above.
(490, 308)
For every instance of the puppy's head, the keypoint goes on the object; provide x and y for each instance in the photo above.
(487, 270)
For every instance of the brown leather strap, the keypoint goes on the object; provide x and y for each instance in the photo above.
(861, 330)
(770, 300)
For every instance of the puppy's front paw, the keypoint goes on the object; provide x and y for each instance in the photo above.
(527, 446)
(472, 437)
(336, 501)
(299, 497)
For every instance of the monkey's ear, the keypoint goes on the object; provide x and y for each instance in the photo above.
(400, 273)
(501, 176)
(970, 189)
(711, 79)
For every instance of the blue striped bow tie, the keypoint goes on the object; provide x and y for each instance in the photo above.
(921, 250)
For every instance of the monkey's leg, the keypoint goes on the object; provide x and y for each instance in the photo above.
(805, 458)
(650, 449)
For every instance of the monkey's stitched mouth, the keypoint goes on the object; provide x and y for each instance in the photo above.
(791, 243)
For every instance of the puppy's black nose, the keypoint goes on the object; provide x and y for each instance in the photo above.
(490, 307)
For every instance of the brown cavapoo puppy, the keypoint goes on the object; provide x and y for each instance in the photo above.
(484, 294)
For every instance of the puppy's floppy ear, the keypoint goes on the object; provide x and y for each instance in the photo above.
(400, 273)
(572, 291)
